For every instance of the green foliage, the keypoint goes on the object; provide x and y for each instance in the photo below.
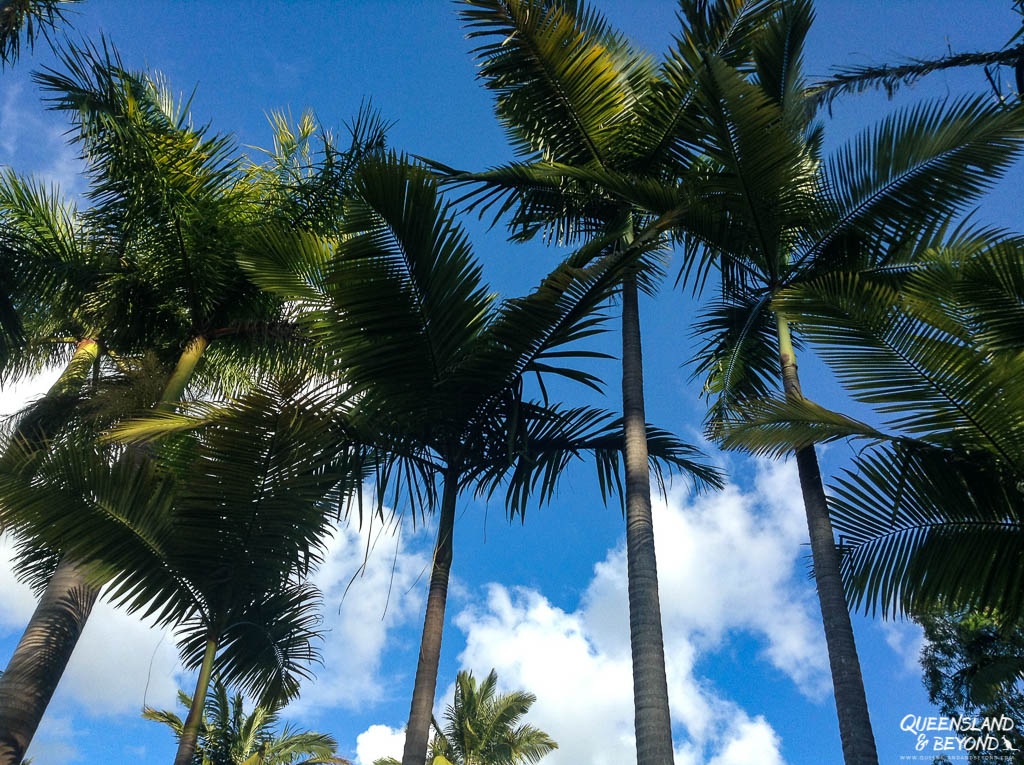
(30, 19)
(973, 667)
(928, 516)
(398, 300)
(229, 736)
(484, 727)
(210, 532)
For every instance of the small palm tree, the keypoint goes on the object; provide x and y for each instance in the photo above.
(229, 736)
(484, 727)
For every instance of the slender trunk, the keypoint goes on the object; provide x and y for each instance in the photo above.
(650, 686)
(190, 730)
(32, 674)
(851, 702)
(417, 731)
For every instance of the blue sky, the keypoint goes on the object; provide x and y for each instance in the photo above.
(544, 602)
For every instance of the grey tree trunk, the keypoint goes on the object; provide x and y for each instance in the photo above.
(417, 732)
(40, 658)
(650, 685)
(855, 732)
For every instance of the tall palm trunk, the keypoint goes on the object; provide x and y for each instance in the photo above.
(650, 685)
(43, 652)
(418, 730)
(190, 729)
(848, 684)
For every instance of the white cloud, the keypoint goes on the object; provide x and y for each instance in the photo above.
(18, 602)
(379, 741)
(727, 562)
(15, 397)
(753, 741)
(386, 593)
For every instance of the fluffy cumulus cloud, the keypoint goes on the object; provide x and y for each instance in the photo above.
(370, 581)
(578, 663)
(907, 640)
(379, 741)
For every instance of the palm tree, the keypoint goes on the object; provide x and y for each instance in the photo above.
(152, 270)
(789, 216)
(929, 514)
(483, 727)
(212, 534)
(396, 297)
(777, 211)
(31, 18)
(229, 736)
(589, 117)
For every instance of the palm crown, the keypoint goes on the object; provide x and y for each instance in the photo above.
(928, 515)
(230, 736)
(484, 727)
(437, 366)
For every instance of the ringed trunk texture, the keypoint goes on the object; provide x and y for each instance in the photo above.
(650, 685)
(417, 731)
(855, 732)
(190, 728)
(42, 654)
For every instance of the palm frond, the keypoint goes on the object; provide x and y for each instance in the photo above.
(30, 19)
(550, 437)
(891, 77)
(925, 527)
(924, 379)
(927, 163)
(563, 78)
(773, 427)
(663, 131)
